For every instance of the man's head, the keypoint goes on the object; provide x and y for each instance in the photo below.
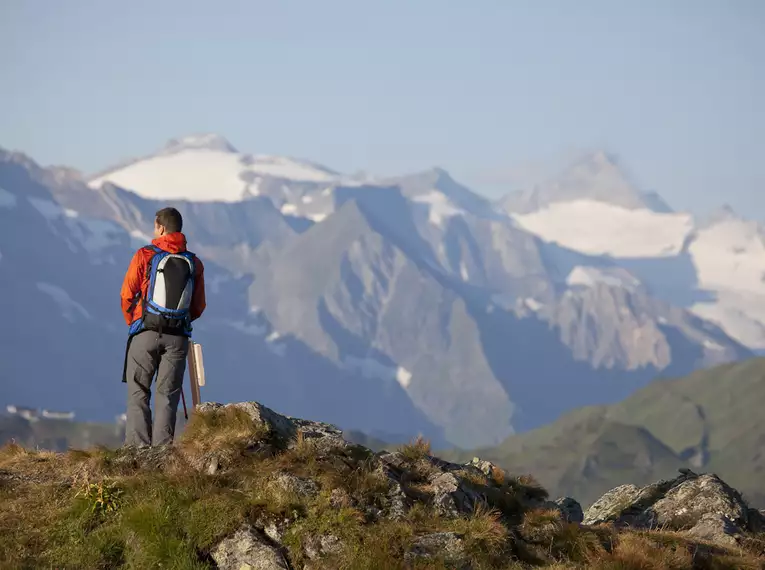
(167, 221)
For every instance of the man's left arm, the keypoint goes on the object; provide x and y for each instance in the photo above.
(198, 301)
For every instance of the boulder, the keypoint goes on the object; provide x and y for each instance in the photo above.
(685, 504)
(248, 549)
(704, 506)
(570, 509)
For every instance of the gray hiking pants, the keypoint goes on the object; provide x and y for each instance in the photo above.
(150, 353)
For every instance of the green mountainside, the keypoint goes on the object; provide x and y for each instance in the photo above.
(711, 421)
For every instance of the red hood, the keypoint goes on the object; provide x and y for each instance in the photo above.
(174, 242)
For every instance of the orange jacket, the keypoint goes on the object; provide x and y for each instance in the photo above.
(136, 284)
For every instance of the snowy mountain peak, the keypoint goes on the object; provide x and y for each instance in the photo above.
(596, 176)
(206, 141)
(207, 168)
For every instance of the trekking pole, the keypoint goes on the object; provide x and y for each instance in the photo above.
(183, 399)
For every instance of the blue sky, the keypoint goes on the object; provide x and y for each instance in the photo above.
(486, 89)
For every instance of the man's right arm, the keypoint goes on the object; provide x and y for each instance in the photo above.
(131, 286)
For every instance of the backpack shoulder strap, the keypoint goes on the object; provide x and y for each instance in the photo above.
(154, 251)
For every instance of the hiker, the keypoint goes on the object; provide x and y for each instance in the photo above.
(163, 291)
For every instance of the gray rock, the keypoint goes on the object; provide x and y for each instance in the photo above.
(274, 531)
(449, 496)
(611, 505)
(301, 486)
(446, 546)
(570, 509)
(248, 549)
(152, 458)
(323, 545)
(684, 505)
(703, 505)
(397, 501)
(487, 467)
(393, 459)
(716, 528)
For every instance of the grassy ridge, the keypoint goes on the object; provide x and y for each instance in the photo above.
(151, 508)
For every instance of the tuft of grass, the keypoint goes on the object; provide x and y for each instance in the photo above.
(362, 482)
(225, 432)
(104, 496)
(10, 451)
(302, 451)
(635, 552)
(550, 538)
(483, 530)
(498, 476)
(416, 450)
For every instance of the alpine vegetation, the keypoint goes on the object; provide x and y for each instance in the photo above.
(246, 487)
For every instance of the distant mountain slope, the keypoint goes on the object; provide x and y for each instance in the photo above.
(709, 421)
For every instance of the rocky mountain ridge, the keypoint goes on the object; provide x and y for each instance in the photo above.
(248, 487)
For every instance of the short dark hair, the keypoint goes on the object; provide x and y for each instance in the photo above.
(171, 219)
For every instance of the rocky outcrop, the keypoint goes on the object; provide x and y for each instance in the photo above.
(703, 506)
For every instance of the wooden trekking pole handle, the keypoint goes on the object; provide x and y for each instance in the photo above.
(193, 374)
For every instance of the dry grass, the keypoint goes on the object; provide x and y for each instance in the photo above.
(483, 530)
(474, 477)
(635, 552)
(416, 450)
(147, 518)
(528, 487)
(225, 432)
(549, 538)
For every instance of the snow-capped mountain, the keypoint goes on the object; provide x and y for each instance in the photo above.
(390, 305)
(713, 267)
(207, 168)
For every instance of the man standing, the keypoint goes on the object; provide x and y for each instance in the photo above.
(162, 293)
